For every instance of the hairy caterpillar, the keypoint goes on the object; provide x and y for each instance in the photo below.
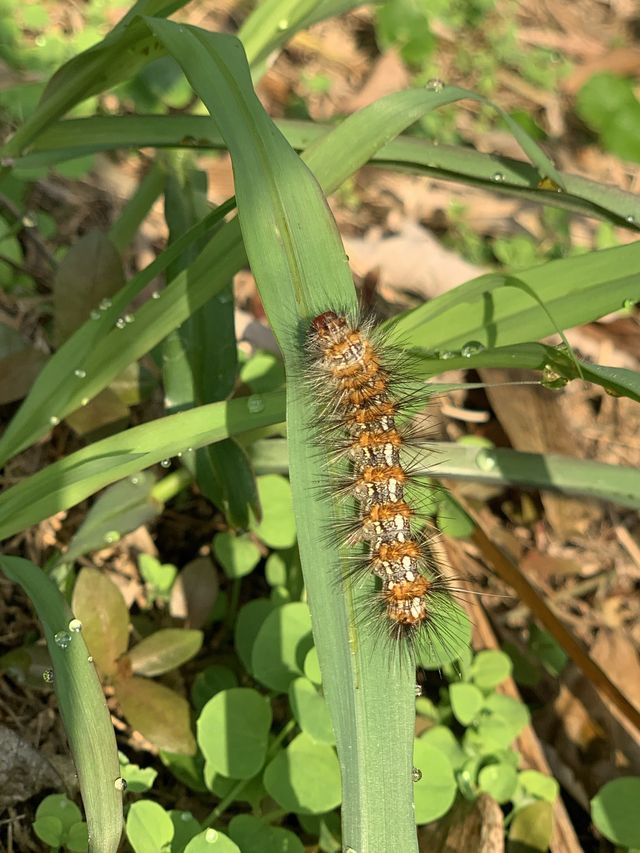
(357, 382)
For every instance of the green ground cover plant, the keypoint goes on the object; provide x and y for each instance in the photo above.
(293, 712)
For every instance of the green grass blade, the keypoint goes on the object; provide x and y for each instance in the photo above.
(68, 481)
(497, 466)
(82, 707)
(101, 349)
(574, 290)
(299, 263)
(420, 156)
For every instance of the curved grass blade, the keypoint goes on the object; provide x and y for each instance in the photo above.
(79, 475)
(410, 154)
(301, 269)
(100, 348)
(489, 311)
(82, 706)
(440, 460)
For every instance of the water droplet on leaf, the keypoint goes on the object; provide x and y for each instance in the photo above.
(165, 463)
(471, 348)
(120, 784)
(435, 85)
(255, 404)
(48, 676)
(75, 625)
(486, 459)
(62, 639)
(79, 373)
(416, 775)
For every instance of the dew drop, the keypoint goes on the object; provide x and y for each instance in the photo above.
(121, 323)
(418, 690)
(255, 404)
(486, 459)
(416, 775)
(447, 354)
(552, 380)
(54, 420)
(189, 449)
(95, 315)
(129, 318)
(120, 784)
(84, 401)
(75, 626)
(211, 836)
(497, 177)
(48, 676)
(471, 348)
(40, 41)
(630, 219)
(185, 816)
(134, 481)
(104, 304)
(62, 639)
(156, 294)
(165, 463)
(79, 373)
(90, 658)
(111, 537)
(435, 85)
(283, 24)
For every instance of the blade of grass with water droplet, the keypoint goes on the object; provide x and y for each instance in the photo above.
(82, 706)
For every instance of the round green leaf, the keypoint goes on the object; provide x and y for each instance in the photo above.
(281, 645)
(490, 668)
(164, 650)
(277, 528)
(532, 783)
(254, 836)
(249, 621)
(453, 520)
(233, 732)
(78, 838)
(99, 605)
(310, 711)
(275, 570)
(60, 807)
(532, 827)
(312, 667)
(148, 827)
(304, 777)
(50, 830)
(499, 780)
(138, 779)
(443, 739)
(435, 792)
(513, 713)
(211, 841)
(237, 555)
(158, 713)
(185, 827)
(208, 682)
(466, 701)
(614, 811)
